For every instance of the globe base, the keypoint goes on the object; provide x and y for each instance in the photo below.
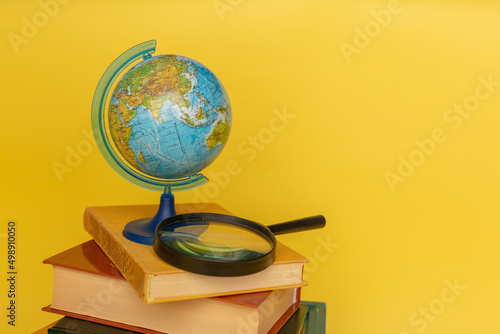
(142, 230)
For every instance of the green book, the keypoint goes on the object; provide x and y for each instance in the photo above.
(315, 320)
(309, 318)
(296, 321)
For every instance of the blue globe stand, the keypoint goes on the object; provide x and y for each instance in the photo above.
(143, 230)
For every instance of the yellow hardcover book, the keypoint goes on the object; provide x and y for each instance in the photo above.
(156, 281)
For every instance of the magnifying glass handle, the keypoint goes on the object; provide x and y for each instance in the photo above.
(298, 225)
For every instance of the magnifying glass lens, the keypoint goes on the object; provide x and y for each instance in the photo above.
(215, 240)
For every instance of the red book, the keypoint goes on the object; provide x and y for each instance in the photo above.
(88, 286)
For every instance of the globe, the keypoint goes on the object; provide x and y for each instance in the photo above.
(159, 121)
(169, 117)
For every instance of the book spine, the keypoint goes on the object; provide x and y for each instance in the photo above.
(129, 268)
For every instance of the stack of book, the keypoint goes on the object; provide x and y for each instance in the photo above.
(112, 285)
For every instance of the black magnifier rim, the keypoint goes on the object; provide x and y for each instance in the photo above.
(214, 267)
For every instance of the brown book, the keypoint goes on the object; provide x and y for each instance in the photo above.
(88, 286)
(156, 281)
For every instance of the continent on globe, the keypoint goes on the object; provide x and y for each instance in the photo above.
(219, 135)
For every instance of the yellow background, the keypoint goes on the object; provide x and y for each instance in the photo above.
(361, 95)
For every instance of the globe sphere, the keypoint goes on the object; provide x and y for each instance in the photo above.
(169, 117)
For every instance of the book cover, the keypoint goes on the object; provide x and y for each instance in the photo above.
(309, 318)
(295, 324)
(89, 287)
(315, 320)
(156, 281)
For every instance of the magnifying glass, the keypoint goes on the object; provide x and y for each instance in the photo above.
(221, 245)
